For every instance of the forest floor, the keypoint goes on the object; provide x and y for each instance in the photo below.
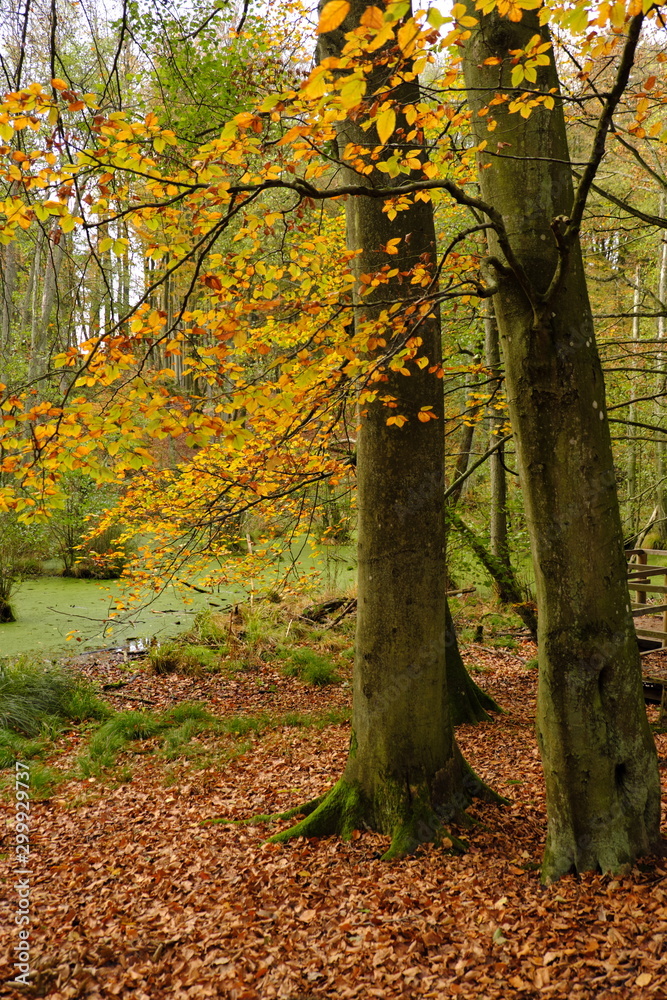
(137, 893)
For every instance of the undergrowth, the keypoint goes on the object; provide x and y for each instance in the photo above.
(247, 637)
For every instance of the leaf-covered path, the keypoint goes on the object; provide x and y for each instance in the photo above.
(136, 895)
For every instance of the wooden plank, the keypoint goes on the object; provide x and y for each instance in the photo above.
(647, 609)
(651, 634)
(645, 571)
(653, 588)
(650, 552)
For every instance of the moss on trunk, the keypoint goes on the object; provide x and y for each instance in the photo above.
(6, 613)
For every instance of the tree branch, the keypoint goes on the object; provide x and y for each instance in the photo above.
(604, 124)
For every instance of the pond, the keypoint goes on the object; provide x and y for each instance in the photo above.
(47, 608)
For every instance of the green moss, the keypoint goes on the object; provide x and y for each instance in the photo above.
(340, 812)
(421, 826)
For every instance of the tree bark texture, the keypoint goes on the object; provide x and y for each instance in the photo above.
(603, 793)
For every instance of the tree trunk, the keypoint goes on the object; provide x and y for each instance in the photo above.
(660, 540)
(499, 543)
(39, 346)
(468, 702)
(405, 776)
(603, 792)
(632, 445)
(9, 272)
(27, 305)
(507, 586)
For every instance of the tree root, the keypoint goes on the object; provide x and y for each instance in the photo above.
(344, 809)
(339, 813)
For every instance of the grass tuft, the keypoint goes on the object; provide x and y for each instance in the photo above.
(35, 698)
(310, 667)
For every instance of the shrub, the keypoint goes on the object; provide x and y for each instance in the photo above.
(208, 629)
(172, 657)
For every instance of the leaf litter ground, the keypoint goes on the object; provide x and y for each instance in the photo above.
(136, 893)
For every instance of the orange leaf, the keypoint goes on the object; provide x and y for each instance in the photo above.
(333, 14)
(372, 18)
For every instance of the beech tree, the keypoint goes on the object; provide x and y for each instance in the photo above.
(405, 775)
(603, 792)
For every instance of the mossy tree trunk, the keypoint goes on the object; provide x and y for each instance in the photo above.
(6, 612)
(405, 776)
(603, 793)
(507, 586)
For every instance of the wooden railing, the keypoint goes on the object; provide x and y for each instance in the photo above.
(642, 580)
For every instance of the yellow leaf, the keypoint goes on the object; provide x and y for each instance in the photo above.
(68, 223)
(618, 15)
(407, 36)
(435, 18)
(644, 979)
(385, 124)
(352, 91)
(517, 75)
(333, 14)
(391, 246)
(577, 20)
(58, 84)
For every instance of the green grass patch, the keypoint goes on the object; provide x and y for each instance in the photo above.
(44, 780)
(310, 667)
(208, 629)
(35, 698)
(14, 746)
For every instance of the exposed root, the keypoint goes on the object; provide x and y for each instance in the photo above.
(303, 810)
(415, 822)
(475, 788)
(340, 812)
